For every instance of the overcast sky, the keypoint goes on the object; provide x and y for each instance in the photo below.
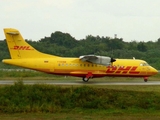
(130, 19)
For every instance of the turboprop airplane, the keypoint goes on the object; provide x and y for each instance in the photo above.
(86, 66)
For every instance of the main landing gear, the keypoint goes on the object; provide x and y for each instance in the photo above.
(87, 77)
(145, 79)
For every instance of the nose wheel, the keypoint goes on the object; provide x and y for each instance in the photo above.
(145, 79)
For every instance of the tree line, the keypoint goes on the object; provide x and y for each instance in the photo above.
(63, 44)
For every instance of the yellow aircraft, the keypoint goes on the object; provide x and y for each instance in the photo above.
(86, 66)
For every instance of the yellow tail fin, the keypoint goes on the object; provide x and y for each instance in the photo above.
(19, 48)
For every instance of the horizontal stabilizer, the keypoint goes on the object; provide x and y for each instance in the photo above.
(12, 33)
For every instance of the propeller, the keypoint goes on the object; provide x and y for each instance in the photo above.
(113, 60)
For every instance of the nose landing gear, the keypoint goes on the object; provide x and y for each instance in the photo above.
(145, 79)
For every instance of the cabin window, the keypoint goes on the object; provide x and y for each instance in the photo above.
(141, 64)
(146, 64)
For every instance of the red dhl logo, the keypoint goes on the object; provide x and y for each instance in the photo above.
(21, 48)
(123, 70)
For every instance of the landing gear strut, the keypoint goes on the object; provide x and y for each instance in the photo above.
(88, 76)
(145, 79)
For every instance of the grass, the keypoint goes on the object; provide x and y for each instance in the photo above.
(91, 101)
(139, 88)
(86, 114)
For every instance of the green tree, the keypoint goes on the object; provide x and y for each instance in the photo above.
(142, 47)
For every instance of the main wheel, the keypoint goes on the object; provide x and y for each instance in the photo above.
(85, 79)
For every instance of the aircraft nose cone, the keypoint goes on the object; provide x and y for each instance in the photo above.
(154, 71)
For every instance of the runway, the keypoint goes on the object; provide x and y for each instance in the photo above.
(79, 82)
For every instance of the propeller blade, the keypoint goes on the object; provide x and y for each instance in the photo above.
(113, 60)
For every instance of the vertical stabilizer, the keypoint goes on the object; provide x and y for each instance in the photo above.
(19, 48)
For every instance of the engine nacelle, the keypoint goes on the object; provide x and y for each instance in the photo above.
(103, 60)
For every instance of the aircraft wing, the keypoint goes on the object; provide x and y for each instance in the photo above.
(101, 60)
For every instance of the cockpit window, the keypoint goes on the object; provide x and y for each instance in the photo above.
(144, 64)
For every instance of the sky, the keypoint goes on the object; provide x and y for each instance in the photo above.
(131, 20)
